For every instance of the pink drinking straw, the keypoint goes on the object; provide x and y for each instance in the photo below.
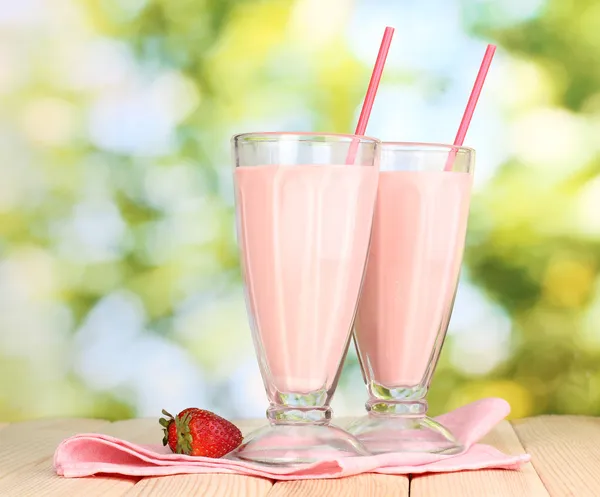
(471, 104)
(361, 127)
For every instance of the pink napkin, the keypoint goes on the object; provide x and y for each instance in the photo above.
(90, 454)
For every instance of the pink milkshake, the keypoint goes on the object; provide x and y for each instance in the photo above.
(304, 233)
(416, 250)
(304, 209)
(414, 262)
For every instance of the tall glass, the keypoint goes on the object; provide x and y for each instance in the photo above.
(408, 294)
(304, 208)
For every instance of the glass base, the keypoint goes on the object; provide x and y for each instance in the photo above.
(385, 433)
(287, 444)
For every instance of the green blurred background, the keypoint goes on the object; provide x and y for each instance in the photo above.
(119, 282)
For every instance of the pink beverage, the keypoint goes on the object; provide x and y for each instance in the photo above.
(416, 250)
(304, 233)
(304, 210)
(412, 272)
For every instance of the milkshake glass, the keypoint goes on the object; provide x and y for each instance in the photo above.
(304, 210)
(407, 298)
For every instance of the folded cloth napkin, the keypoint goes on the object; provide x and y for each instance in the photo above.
(91, 454)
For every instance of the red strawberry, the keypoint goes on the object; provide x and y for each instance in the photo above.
(197, 432)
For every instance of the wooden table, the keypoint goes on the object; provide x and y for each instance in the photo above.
(565, 454)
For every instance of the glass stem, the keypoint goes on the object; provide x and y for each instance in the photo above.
(415, 408)
(282, 415)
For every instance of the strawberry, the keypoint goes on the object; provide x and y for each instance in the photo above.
(197, 432)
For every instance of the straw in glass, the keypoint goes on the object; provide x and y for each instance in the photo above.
(365, 112)
(471, 104)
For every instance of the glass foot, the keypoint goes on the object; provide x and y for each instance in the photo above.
(297, 444)
(380, 433)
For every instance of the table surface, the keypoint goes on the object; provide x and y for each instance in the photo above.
(565, 454)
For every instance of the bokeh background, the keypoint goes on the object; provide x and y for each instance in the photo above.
(120, 289)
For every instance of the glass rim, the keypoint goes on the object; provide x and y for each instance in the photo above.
(291, 135)
(424, 147)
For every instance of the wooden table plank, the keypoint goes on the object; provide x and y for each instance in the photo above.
(565, 452)
(26, 444)
(141, 431)
(249, 425)
(40, 478)
(367, 485)
(205, 485)
(497, 483)
(26, 451)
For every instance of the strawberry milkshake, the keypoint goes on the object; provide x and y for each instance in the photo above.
(304, 234)
(414, 262)
(304, 213)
